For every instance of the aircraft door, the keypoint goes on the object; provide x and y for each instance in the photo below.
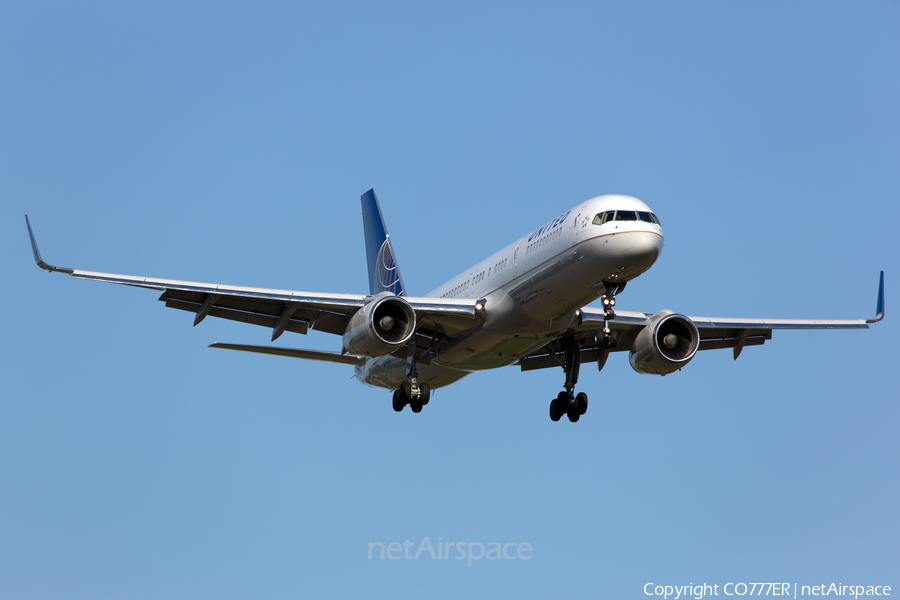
(582, 223)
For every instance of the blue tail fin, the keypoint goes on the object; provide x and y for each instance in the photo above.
(384, 274)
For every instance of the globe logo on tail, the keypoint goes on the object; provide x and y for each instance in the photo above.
(387, 277)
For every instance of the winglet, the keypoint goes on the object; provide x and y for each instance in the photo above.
(879, 304)
(37, 253)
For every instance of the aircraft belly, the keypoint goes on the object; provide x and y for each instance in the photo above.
(530, 312)
(507, 333)
(389, 372)
(481, 353)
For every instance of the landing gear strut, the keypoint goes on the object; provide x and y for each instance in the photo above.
(608, 299)
(567, 402)
(411, 392)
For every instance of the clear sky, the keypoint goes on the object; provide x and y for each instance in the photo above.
(230, 143)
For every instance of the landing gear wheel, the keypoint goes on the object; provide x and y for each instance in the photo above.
(398, 402)
(574, 415)
(555, 412)
(405, 392)
(559, 406)
(416, 407)
(581, 403)
(424, 393)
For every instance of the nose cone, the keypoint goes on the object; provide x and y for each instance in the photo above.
(640, 249)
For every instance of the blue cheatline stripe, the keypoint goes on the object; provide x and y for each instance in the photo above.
(384, 274)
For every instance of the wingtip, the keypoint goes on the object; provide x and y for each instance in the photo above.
(34, 246)
(879, 302)
(37, 253)
(879, 306)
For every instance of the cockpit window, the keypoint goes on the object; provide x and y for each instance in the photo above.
(603, 217)
(624, 215)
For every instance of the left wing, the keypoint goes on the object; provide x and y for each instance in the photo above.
(279, 310)
(715, 332)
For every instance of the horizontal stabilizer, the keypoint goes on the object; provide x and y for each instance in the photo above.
(335, 357)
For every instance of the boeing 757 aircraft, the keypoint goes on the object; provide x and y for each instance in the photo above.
(525, 305)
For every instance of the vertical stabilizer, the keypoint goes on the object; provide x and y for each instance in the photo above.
(384, 274)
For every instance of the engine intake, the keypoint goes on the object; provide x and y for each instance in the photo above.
(380, 327)
(667, 344)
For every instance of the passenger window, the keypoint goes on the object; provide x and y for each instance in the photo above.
(626, 215)
(645, 217)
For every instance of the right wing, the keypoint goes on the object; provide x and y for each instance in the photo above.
(279, 310)
(735, 333)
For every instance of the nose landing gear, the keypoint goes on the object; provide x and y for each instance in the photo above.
(608, 300)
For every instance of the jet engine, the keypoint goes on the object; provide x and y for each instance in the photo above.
(386, 323)
(668, 343)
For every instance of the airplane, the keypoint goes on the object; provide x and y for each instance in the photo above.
(525, 306)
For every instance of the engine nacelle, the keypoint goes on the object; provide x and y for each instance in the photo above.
(668, 343)
(380, 327)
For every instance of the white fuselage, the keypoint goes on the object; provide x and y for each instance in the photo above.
(533, 288)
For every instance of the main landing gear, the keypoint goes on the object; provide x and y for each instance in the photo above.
(415, 394)
(567, 402)
(411, 392)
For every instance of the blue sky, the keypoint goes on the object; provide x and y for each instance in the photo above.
(227, 143)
